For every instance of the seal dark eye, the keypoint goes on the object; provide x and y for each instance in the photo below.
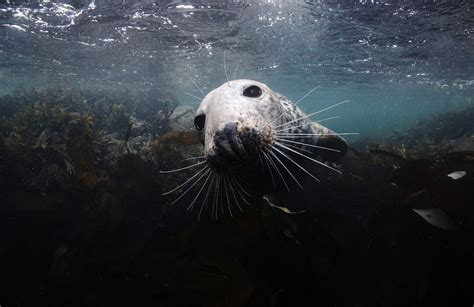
(199, 121)
(253, 91)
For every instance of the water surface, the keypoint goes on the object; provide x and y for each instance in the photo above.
(397, 61)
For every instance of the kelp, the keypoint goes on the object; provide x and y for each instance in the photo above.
(82, 192)
(55, 138)
(436, 136)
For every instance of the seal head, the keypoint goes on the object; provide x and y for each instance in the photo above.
(240, 119)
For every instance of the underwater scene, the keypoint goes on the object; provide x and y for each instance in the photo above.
(236, 153)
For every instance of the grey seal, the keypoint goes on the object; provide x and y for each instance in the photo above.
(255, 140)
(242, 119)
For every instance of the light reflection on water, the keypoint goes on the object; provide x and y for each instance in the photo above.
(395, 60)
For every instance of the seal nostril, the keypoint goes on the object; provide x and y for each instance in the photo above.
(200, 121)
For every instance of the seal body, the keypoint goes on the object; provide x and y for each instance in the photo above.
(242, 119)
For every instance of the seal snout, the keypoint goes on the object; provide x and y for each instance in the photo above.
(228, 145)
(235, 143)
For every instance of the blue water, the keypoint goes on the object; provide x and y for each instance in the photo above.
(89, 215)
(395, 60)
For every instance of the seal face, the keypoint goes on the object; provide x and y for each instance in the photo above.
(243, 119)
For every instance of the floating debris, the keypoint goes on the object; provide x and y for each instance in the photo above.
(437, 217)
(457, 175)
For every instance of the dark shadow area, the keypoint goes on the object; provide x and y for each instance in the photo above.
(83, 221)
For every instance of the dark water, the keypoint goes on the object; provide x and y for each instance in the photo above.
(87, 93)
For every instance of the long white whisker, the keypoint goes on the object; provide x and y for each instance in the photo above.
(196, 85)
(297, 147)
(233, 193)
(235, 70)
(240, 193)
(225, 68)
(289, 172)
(296, 103)
(294, 162)
(270, 170)
(318, 121)
(311, 114)
(185, 192)
(316, 134)
(238, 183)
(327, 119)
(306, 144)
(307, 94)
(261, 161)
(215, 202)
(221, 194)
(309, 158)
(193, 158)
(227, 196)
(183, 168)
(194, 96)
(277, 170)
(206, 198)
(187, 181)
(191, 205)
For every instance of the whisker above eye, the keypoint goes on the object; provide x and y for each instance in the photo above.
(196, 85)
(225, 68)
(235, 70)
(194, 96)
(307, 94)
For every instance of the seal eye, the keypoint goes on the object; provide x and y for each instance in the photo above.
(253, 91)
(199, 121)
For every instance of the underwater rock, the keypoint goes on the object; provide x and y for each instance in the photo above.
(438, 135)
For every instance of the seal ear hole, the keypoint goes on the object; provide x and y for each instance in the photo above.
(253, 91)
(199, 121)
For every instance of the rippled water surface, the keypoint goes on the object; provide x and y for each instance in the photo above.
(395, 60)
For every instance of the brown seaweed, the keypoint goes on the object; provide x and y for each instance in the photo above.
(81, 191)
